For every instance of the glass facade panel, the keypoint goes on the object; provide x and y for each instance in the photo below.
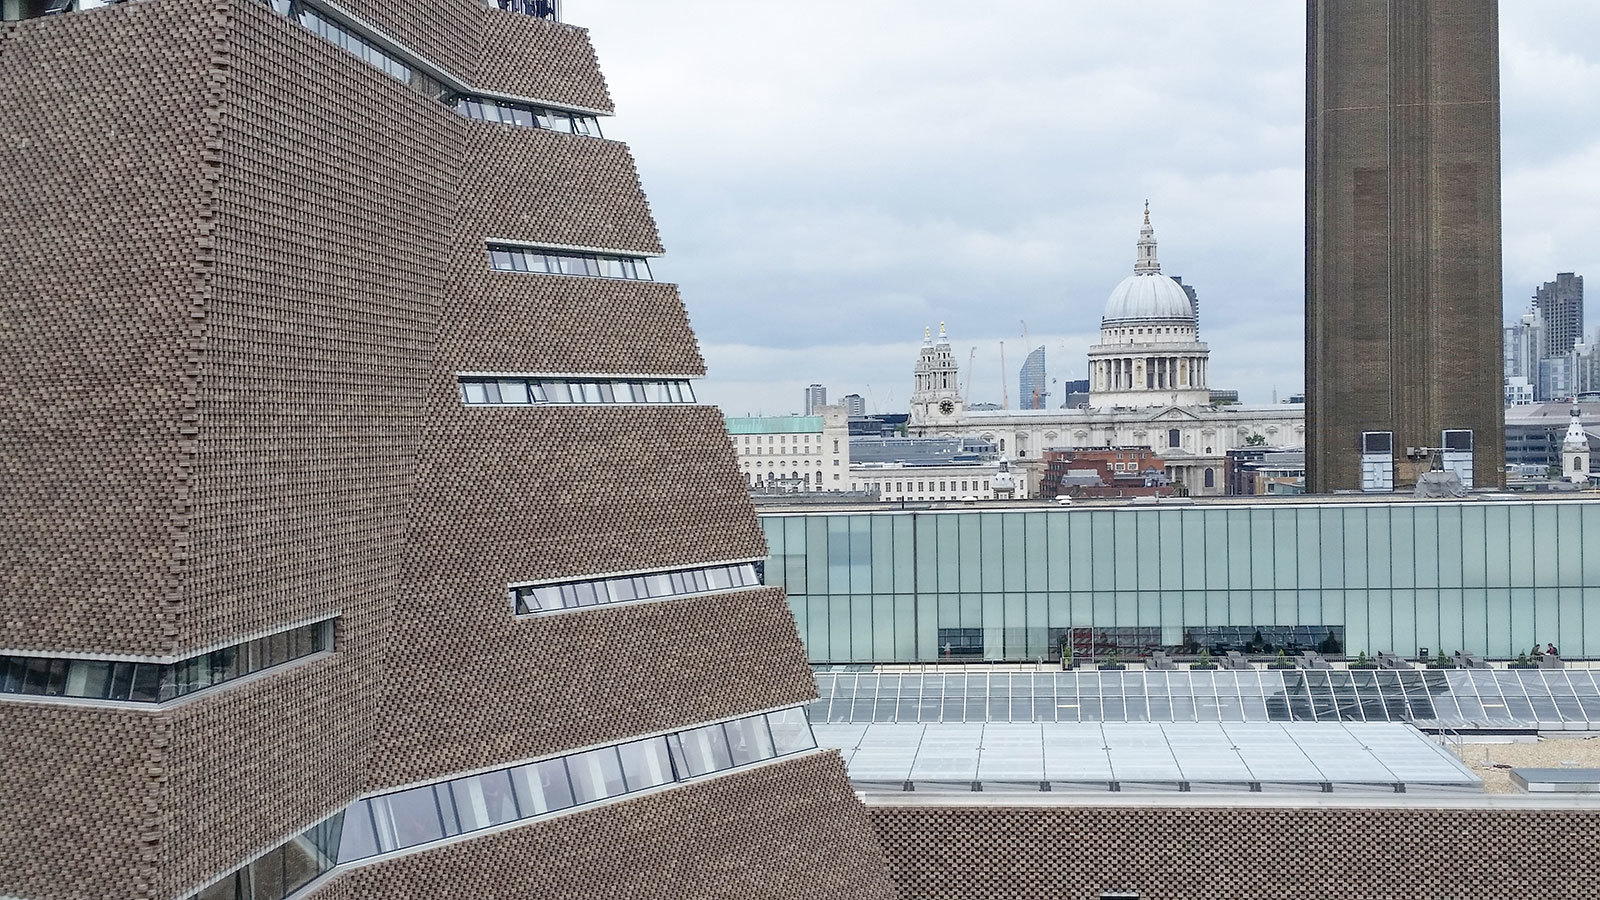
(421, 815)
(158, 682)
(596, 775)
(476, 391)
(1335, 579)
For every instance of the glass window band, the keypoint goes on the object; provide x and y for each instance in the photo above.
(564, 595)
(138, 682)
(423, 815)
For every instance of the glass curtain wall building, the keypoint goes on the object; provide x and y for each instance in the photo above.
(1491, 578)
(1033, 389)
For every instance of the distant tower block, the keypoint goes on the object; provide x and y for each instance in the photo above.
(1403, 291)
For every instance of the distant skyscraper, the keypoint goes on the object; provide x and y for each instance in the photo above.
(853, 404)
(1194, 298)
(1032, 389)
(816, 397)
(1403, 291)
(1524, 345)
(1561, 303)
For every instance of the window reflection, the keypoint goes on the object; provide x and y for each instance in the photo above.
(422, 815)
(92, 679)
(626, 588)
(510, 112)
(596, 775)
(284, 869)
(525, 391)
(506, 258)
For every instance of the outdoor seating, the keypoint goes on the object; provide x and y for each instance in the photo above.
(1387, 660)
(1468, 661)
(1235, 660)
(1550, 661)
(1310, 659)
(1160, 660)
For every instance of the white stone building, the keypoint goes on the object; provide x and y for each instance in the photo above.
(1575, 450)
(981, 481)
(1148, 387)
(793, 453)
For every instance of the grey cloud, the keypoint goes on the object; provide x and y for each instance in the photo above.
(831, 178)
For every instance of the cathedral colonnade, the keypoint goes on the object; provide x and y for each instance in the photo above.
(1149, 373)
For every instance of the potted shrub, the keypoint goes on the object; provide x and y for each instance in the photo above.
(1067, 662)
(1363, 661)
(1441, 662)
(1204, 662)
(1523, 662)
(1113, 661)
(1282, 661)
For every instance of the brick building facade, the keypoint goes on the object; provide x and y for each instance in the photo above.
(362, 536)
(1403, 286)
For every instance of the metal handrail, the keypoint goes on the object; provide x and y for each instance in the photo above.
(539, 9)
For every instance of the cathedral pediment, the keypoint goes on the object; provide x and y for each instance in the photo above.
(1175, 414)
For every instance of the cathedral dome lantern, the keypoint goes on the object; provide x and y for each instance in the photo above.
(1148, 295)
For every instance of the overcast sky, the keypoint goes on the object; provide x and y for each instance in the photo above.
(830, 178)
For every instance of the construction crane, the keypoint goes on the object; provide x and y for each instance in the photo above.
(1005, 388)
(966, 398)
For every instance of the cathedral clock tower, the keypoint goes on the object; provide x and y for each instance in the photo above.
(936, 399)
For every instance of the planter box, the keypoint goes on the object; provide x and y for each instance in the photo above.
(1522, 666)
(1437, 666)
(1111, 667)
(1280, 665)
(1200, 667)
(1360, 666)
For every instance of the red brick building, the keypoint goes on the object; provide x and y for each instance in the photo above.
(1108, 472)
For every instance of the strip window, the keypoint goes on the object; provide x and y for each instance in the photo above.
(526, 115)
(506, 258)
(436, 812)
(100, 679)
(526, 391)
(285, 869)
(625, 588)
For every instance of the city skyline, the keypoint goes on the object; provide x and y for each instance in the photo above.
(852, 239)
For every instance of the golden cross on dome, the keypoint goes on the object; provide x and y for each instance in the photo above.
(1147, 212)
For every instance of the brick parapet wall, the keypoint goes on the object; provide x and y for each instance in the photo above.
(1238, 853)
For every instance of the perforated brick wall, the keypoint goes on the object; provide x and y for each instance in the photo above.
(517, 322)
(1239, 853)
(447, 32)
(528, 184)
(567, 71)
(100, 243)
(240, 288)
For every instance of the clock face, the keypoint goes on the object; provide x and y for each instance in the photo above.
(946, 407)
